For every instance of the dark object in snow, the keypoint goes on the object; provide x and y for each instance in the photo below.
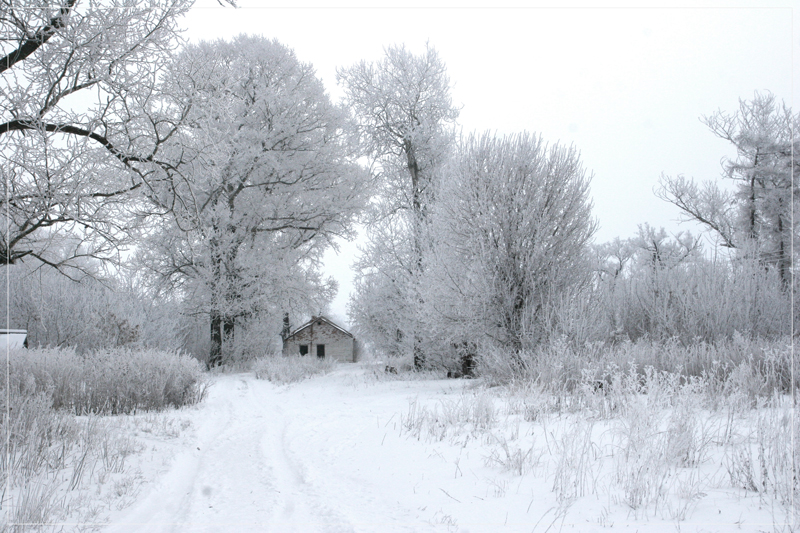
(214, 360)
(467, 353)
(601, 386)
(455, 374)
(287, 327)
(390, 370)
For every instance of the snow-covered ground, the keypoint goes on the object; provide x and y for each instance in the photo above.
(349, 452)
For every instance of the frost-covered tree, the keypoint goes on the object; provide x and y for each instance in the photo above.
(383, 307)
(89, 315)
(270, 178)
(82, 125)
(404, 112)
(515, 225)
(757, 216)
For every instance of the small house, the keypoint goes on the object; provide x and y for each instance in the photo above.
(320, 337)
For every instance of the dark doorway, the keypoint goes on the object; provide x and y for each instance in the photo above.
(304, 349)
(320, 350)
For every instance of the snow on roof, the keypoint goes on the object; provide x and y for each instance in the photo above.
(317, 318)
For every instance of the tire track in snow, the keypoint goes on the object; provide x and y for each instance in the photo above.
(330, 439)
(300, 506)
(237, 476)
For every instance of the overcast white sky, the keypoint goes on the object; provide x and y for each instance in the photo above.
(625, 85)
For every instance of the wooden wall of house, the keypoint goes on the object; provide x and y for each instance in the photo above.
(338, 345)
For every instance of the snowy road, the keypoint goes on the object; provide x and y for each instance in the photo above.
(328, 455)
(265, 458)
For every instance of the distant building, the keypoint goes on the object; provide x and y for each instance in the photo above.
(13, 338)
(319, 337)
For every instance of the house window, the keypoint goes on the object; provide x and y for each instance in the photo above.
(304, 349)
(320, 350)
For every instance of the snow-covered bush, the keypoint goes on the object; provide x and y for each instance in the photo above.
(280, 369)
(40, 441)
(50, 454)
(753, 368)
(108, 382)
(764, 457)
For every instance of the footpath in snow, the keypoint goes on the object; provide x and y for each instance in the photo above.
(321, 455)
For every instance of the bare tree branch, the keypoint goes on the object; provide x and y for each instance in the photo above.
(30, 44)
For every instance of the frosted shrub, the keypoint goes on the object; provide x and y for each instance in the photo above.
(50, 454)
(514, 458)
(50, 457)
(576, 462)
(755, 368)
(108, 382)
(280, 369)
(34, 427)
(476, 410)
(765, 458)
(468, 414)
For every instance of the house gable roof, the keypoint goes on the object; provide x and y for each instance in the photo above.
(317, 319)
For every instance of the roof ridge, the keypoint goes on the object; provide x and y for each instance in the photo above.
(320, 317)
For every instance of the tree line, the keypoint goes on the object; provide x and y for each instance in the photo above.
(479, 241)
(209, 178)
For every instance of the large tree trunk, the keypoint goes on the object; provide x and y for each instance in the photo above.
(222, 331)
(215, 353)
(417, 211)
(222, 324)
(227, 329)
